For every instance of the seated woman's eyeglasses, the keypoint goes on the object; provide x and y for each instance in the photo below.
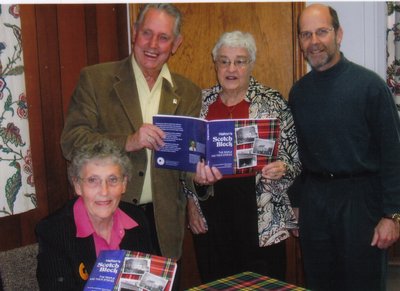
(226, 63)
(320, 33)
(95, 181)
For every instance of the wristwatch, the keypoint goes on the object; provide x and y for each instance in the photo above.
(394, 216)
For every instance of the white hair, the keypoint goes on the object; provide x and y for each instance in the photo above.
(236, 39)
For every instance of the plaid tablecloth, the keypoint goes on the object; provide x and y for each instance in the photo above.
(247, 281)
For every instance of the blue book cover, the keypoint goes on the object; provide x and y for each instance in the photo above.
(105, 271)
(131, 270)
(234, 146)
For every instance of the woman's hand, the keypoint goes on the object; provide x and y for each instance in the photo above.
(274, 170)
(206, 175)
(196, 221)
(295, 232)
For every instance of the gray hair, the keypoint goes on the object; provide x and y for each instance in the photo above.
(165, 7)
(99, 150)
(236, 39)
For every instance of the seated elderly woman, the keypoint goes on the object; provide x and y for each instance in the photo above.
(71, 238)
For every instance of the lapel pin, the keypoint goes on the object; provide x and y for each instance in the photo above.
(83, 272)
(175, 101)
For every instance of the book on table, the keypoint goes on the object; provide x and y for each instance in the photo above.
(130, 270)
(234, 146)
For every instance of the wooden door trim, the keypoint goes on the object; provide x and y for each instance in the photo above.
(299, 65)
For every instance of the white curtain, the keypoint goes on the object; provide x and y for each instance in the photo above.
(393, 50)
(17, 190)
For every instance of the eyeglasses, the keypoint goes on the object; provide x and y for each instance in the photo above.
(95, 181)
(226, 63)
(320, 32)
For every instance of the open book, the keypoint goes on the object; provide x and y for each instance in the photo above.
(234, 146)
(129, 270)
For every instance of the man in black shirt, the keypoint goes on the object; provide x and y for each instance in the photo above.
(349, 145)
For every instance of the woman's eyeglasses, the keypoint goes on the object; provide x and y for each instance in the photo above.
(226, 63)
(95, 181)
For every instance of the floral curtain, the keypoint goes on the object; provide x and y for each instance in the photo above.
(393, 50)
(17, 190)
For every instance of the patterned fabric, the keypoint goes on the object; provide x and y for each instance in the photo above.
(247, 281)
(16, 176)
(275, 214)
(268, 129)
(159, 266)
(393, 50)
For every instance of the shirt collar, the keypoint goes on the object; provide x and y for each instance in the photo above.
(164, 73)
(84, 226)
(333, 71)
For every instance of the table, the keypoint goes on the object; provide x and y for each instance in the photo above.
(247, 281)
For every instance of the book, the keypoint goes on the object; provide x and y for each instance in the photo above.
(234, 146)
(129, 270)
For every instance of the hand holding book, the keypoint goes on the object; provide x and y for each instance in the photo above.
(206, 175)
(147, 136)
(274, 170)
(234, 146)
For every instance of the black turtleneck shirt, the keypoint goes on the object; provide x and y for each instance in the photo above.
(347, 123)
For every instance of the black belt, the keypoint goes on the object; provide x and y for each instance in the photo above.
(336, 176)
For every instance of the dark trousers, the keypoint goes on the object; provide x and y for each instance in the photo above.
(149, 211)
(337, 221)
(231, 244)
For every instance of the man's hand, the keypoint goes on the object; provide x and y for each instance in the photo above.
(196, 222)
(386, 233)
(148, 136)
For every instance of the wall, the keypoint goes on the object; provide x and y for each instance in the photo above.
(278, 64)
(364, 26)
(55, 49)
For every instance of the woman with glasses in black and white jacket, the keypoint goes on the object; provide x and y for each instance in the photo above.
(241, 222)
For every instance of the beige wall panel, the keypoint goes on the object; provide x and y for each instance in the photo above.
(270, 24)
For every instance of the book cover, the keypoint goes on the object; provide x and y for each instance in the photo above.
(234, 146)
(129, 270)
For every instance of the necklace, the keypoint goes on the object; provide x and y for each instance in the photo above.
(228, 109)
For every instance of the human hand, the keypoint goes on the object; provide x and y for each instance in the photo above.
(386, 233)
(206, 175)
(274, 170)
(295, 231)
(196, 222)
(148, 136)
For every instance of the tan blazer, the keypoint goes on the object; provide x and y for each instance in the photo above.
(105, 103)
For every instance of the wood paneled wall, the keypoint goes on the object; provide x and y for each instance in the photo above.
(279, 63)
(58, 40)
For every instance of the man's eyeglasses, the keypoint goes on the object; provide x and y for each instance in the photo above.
(95, 181)
(320, 32)
(226, 63)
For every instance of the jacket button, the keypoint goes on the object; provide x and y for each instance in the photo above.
(134, 201)
(141, 174)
